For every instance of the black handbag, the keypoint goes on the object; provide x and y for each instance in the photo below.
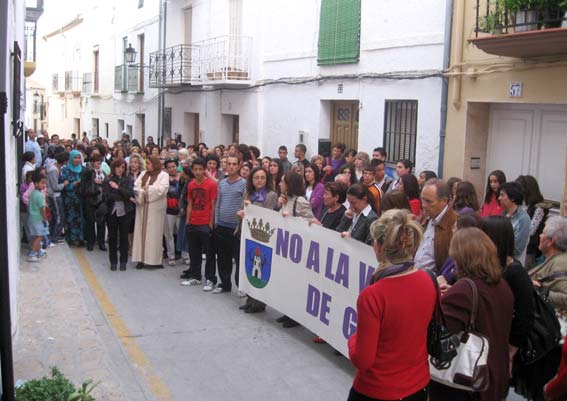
(546, 330)
(441, 344)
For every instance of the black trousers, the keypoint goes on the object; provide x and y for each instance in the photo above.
(227, 247)
(118, 228)
(90, 223)
(421, 395)
(199, 240)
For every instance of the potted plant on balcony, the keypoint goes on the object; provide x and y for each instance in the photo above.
(492, 22)
(524, 13)
(554, 13)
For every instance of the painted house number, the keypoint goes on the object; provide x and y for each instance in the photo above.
(515, 89)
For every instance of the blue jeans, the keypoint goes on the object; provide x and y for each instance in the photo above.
(57, 217)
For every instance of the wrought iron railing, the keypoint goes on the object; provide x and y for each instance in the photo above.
(55, 82)
(497, 16)
(126, 78)
(225, 58)
(73, 81)
(87, 83)
(174, 66)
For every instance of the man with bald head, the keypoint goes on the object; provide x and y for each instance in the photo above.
(434, 248)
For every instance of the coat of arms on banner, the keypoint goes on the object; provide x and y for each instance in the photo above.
(258, 261)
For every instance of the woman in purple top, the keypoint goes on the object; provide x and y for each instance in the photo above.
(314, 189)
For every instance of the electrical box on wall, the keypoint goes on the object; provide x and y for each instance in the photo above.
(302, 136)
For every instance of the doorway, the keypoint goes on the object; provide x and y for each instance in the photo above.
(191, 128)
(77, 126)
(141, 127)
(529, 139)
(344, 123)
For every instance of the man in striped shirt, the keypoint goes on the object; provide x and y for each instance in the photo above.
(227, 244)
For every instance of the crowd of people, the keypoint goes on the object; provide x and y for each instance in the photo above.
(176, 203)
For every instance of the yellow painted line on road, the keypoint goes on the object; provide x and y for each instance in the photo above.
(155, 384)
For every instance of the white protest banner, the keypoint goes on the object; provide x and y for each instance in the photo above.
(308, 273)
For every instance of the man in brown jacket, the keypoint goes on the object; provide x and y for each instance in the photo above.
(434, 248)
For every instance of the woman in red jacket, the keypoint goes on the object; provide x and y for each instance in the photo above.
(389, 346)
(556, 390)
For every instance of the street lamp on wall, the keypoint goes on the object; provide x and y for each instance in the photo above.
(130, 54)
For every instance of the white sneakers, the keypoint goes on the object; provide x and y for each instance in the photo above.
(208, 286)
(191, 282)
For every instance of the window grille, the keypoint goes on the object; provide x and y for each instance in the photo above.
(400, 129)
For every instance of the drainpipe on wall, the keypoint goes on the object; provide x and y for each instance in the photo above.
(161, 48)
(6, 361)
(445, 83)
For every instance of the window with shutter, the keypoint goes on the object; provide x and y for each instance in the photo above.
(339, 32)
(400, 129)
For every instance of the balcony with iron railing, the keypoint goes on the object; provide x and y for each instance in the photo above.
(73, 82)
(87, 89)
(58, 83)
(126, 79)
(224, 60)
(521, 28)
(174, 66)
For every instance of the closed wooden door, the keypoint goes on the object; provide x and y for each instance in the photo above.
(344, 124)
(529, 139)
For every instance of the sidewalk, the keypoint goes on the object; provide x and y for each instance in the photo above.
(60, 324)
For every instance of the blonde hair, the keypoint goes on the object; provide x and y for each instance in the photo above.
(141, 162)
(315, 158)
(398, 234)
(475, 255)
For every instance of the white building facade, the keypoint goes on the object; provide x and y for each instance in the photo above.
(362, 72)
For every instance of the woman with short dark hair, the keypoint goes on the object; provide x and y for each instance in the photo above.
(478, 266)
(333, 199)
(356, 221)
(511, 199)
(118, 189)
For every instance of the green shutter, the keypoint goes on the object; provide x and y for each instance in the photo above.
(339, 32)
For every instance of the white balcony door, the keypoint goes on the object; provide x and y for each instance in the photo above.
(234, 62)
(188, 25)
(235, 17)
(530, 139)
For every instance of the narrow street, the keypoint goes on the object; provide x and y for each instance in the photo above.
(199, 346)
(153, 339)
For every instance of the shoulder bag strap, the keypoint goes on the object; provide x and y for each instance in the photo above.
(553, 276)
(474, 311)
(295, 207)
(438, 314)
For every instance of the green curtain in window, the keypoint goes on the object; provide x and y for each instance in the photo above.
(339, 32)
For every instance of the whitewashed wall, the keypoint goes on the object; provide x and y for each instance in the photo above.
(15, 21)
(395, 36)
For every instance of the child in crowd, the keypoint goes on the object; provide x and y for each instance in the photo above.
(37, 218)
